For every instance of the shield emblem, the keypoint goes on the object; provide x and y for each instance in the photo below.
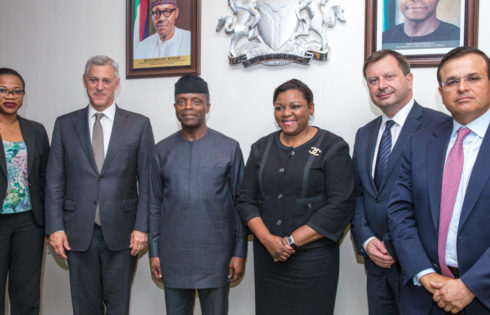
(278, 21)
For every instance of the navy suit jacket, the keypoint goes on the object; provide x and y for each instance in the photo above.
(370, 217)
(413, 213)
(74, 186)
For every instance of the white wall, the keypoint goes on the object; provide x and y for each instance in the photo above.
(49, 41)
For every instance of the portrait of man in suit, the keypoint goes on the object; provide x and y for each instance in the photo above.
(197, 240)
(439, 208)
(377, 153)
(97, 193)
(420, 27)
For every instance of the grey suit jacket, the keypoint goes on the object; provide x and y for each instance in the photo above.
(74, 186)
(370, 218)
(37, 145)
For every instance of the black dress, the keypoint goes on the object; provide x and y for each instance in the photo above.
(287, 187)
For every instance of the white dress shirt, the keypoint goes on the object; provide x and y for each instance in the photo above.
(471, 147)
(107, 121)
(399, 120)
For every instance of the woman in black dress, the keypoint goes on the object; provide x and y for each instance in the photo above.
(297, 198)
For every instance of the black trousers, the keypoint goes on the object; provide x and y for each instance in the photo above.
(100, 279)
(213, 301)
(383, 292)
(21, 252)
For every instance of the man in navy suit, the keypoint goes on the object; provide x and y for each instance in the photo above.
(439, 212)
(97, 193)
(376, 161)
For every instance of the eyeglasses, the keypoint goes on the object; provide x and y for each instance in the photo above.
(15, 92)
(158, 13)
(471, 80)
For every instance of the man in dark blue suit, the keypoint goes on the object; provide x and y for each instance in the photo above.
(377, 151)
(439, 212)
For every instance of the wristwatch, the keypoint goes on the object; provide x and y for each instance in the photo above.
(291, 243)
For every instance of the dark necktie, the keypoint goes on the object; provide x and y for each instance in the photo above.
(384, 151)
(98, 149)
(453, 169)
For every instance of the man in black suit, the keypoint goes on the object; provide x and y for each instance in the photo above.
(97, 193)
(389, 81)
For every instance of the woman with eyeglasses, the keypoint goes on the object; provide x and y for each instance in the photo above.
(22, 171)
(297, 198)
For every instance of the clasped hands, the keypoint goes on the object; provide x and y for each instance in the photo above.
(452, 295)
(278, 248)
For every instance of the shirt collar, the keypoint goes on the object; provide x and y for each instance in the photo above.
(401, 116)
(478, 126)
(109, 112)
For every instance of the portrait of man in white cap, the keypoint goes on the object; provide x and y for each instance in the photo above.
(168, 40)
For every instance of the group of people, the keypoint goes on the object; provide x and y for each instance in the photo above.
(416, 192)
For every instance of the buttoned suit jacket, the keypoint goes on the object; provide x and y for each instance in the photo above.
(414, 210)
(74, 186)
(370, 217)
(37, 146)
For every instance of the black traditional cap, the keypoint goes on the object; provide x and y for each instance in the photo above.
(191, 83)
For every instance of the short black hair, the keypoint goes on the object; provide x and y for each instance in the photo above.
(294, 84)
(5, 71)
(460, 52)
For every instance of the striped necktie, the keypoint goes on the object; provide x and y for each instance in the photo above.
(384, 151)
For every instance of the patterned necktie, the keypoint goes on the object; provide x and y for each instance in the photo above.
(384, 151)
(450, 185)
(98, 149)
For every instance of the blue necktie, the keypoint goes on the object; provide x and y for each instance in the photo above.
(384, 151)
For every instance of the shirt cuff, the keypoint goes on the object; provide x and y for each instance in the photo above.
(416, 279)
(364, 245)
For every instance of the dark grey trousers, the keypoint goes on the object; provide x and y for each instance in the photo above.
(100, 279)
(181, 301)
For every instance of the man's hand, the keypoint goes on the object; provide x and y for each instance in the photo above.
(59, 243)
(138, 242)
(452, 295)
(236, 268)
(155, 268)
(278, 248)
(432, 278)
(378, 253)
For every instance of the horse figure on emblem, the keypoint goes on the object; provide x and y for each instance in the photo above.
(244, 25)
(316, 19)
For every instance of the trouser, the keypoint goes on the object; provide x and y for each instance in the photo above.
(100, 279)
(213, 301)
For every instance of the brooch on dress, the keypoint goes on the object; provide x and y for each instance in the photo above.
(315, 151)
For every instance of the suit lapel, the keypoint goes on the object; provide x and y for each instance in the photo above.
(479, 176)
(436, 155)
(120, 127)
(3, 162)
(411, 124)
(82, 131)
(26, 131)
(371, 147)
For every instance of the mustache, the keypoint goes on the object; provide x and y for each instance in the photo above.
(385, 90)
(417, 5)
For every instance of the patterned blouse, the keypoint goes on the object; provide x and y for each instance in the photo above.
(17, 197)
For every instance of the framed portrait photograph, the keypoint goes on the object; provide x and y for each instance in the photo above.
(162, 38)
(422, 30)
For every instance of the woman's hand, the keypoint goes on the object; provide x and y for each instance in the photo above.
(278, 248)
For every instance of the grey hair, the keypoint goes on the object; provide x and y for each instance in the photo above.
(102, 60)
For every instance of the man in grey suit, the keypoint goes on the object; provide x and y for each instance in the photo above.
(197, 240)
(97, 193)
(377, 152)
